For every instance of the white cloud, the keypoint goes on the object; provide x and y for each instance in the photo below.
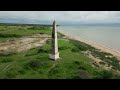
(63, 16)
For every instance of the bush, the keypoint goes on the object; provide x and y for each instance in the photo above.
(105, 75)
(21, 71)
(39, 27)
(53, 71)
(41, 33)
(33, 64)
(8, 35)
(63, 48)
(102, 63)
(76, 62)
(5, 60)
(43, 51)
(11, 73)
(32, 52)
(84, 66)
(81, 46)
(75, 49)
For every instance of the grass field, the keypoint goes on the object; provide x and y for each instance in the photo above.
(35, 63)
(11, 32)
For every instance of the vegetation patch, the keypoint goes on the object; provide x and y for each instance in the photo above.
(83, 75)
(104, 74)
(21, 72)
(63, 45)
(79, 45)
(60, 35)
(33, 64)
(5, 60)
(8, 35)
(41, 50)
(12, 73)
(7, 53)
(48, 41)
(75, 49)
(102, 63)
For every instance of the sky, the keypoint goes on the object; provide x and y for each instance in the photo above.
(61, 17)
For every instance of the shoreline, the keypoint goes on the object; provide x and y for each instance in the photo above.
(93, 44)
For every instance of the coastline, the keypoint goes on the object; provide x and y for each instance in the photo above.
(94, 44)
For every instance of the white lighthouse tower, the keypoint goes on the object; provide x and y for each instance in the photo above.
(54, 53)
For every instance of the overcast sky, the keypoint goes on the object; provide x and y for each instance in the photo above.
(61, 17)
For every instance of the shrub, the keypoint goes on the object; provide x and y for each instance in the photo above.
(5, 60)
(33, 64)
(40, 27)
(11, 73)
(81, 46)
(84, 66)
(43, 51)
(21, 71)
(76, 62)
(102, 63)
(41, 33)
(8, 35)
(62, 48)
(105, 75)
(53, 71)
(31, 54)
(75, 49)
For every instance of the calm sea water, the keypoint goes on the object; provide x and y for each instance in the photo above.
(108, 36)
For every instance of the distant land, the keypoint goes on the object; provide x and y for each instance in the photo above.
(68, 24)
(61, 23)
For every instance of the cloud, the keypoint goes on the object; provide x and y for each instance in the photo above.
(60, 16)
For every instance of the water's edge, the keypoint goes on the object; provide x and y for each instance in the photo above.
(107, 36)
(94, 44)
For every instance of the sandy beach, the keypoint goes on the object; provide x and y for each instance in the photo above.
(94, 44)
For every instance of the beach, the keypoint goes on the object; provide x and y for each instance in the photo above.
(94, 44)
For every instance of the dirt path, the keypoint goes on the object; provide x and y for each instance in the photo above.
(24, 43)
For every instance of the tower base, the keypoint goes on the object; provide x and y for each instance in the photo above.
(54, 57)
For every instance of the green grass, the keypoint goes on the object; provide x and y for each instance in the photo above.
(20, 33)
(111, 60)
(12, 32)
(35, 63)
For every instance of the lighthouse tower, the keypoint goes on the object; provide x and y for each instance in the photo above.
(54, 52)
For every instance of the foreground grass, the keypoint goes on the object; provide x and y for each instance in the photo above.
(35, 63)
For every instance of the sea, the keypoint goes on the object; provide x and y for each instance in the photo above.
(108, 36)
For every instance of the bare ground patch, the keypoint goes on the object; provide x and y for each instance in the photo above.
(24, 43)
